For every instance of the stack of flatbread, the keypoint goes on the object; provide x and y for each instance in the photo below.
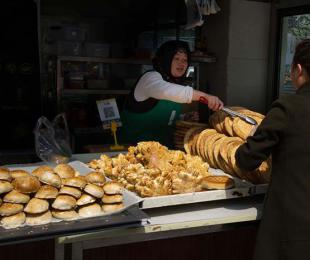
(234, 126)
(181, 127)
(217, 146)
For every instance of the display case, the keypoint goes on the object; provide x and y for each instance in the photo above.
(81, 81)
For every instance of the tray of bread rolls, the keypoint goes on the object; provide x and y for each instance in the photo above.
(163, 177)
(41, 198)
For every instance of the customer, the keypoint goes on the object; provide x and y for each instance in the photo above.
(155, 102)
(284, 232)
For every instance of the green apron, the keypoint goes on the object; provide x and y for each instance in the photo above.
(154, 125)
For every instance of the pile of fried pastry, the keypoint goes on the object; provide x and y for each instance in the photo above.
(151, 169)
(34, 198)
(218, 145)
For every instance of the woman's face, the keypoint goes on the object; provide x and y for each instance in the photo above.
(179, 64)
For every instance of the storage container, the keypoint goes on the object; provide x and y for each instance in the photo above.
(92, 49)
(69, 48)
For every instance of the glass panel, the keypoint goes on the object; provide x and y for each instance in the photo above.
(295, 28)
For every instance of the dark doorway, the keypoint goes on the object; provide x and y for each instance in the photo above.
(20, 104)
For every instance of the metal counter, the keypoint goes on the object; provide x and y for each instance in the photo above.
(170, 222)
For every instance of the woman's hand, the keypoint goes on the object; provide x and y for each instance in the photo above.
(214, 103)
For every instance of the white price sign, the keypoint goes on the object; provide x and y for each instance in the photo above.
(108, 112)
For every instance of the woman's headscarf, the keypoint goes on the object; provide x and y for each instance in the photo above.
(163, 59)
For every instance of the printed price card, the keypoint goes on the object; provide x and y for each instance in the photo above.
(108, 112)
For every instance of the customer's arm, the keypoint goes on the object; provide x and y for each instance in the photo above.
(258, 147)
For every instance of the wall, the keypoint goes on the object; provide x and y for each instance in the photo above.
(215, 29)
(239, 36)
(247, 59)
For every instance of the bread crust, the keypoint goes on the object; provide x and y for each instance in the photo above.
(16, 197)
(13, 221)
(36, 206)
(46, 192)
(110, 199)
(26, 184)
(217, 182)
(64, 171)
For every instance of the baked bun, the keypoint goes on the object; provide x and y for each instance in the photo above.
(85, 199)
(95, 178)
(19, 173)
(214, 182)
(74, 182)
(94, 190)
(16, 197)
(0, 201)
(82, 177)
(4, 169)
(42, 169)
(64, 214)
(5, 187)
(64, 171)
(50, 178)
(112, 188)
(112, 207)
(90, 210)
(47, 192)
(13, 221)
(39, 219)
(109, 199)
(9, 209)
(36, 206)
(64, 202)
(5, 174)
(74, 192)
(26, 184)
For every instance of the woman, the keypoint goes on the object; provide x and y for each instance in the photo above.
(155, 102)
(284, 232)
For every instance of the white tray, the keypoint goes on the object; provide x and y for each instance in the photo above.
(202, 196)
(129, 198)
(242, 189)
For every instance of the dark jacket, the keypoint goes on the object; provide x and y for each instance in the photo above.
(285, 133)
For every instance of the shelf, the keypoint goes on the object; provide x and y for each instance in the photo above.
(203, 59)
(195, 59)
(105, 60)
(95, 91)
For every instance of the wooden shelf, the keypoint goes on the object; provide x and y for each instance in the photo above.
(95, 91)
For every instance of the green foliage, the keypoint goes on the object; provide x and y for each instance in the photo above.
(299, 26)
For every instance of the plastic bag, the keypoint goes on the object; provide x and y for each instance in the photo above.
(52, 140)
